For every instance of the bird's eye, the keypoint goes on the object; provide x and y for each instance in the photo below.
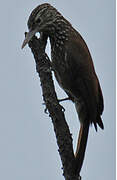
(38, 20)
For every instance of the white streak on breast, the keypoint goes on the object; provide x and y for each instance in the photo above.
(65, 56)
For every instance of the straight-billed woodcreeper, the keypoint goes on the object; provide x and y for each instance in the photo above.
(73, 69)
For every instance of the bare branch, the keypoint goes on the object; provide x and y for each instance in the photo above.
(56, 111)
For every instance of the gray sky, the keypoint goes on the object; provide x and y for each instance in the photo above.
(27, 142)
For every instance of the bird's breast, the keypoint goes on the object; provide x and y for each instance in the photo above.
(61, 68)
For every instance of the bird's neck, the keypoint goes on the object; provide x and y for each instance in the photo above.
(59, 33)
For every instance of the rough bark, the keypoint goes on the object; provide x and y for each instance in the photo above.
(55, 110)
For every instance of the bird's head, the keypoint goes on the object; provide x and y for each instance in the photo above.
(42, 19)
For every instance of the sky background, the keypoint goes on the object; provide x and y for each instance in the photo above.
(28, 149)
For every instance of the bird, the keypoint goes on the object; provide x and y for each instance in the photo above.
(73, 68)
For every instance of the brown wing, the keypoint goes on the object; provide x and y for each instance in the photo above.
(83, 77)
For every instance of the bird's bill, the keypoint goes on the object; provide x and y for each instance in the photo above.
(28, 37)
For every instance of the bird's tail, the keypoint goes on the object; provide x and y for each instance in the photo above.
(81, 145)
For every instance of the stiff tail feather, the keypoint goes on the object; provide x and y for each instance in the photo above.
(81, 146)
(99, 122)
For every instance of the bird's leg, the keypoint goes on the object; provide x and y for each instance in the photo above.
(64, 99)
(59, 100)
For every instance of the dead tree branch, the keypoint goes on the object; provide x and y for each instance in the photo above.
(56, 111)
